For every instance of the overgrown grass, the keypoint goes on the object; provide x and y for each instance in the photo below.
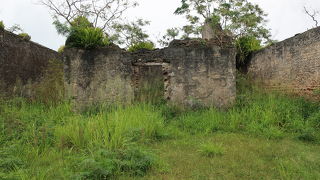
(41, 141)
(261, 113)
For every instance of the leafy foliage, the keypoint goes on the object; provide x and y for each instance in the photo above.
(83, 35)
(130, 33)
(237, 17)
(87, 38)
(25, 36)
(2, 25)
(61, 49)
(141, 45)
(245, 46)
(170, 35)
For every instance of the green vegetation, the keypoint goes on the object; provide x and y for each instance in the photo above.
(140, 46)
(211, 150)
(265, 135)
(25, 36)
(61, 49)
(83, 35)
(2, 25)
(245, 46)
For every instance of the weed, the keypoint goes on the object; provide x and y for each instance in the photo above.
(211, 150)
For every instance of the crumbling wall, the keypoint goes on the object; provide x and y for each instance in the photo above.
(187, 73)
(201, 73)
(195, 72)
(290, 65)
(22, 63)
(149, 82)
(100, 76)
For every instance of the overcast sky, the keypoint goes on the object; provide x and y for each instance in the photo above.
(286, 18)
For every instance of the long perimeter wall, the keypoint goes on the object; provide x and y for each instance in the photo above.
(290, 65)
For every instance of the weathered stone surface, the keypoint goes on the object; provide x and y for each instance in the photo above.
(22, 62)
(187, 73)
(101, 76)
(290, 65)
(203, 76)
(196, 72)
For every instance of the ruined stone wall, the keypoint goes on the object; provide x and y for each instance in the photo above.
(187, 73)
(195, 72)
(22, 63)
(290, 65)
(100, 76)
(201, 74)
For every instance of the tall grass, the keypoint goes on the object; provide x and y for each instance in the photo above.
(112, 130)
(259, 112)
(55, 143)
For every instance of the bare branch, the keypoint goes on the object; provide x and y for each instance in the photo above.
(101, 13)
(313, 15)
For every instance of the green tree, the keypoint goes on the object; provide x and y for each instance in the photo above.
(237, 17)
(170, 35)
(131, 33)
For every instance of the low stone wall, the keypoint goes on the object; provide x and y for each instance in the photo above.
(290, 65)
(101, 76)
(22, 63)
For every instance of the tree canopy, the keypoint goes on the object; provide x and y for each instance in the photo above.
(237, 17)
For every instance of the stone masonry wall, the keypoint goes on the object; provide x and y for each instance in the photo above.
(290, 65)
(195, 72)
(101, 76)
(21, 62)
(201, 74)
(187, 73)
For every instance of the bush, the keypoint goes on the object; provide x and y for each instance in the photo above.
(141, 45)
(25, 36)
(84, 35)
(1, 25)
(87, 38)
(245, 46)
(61, 49)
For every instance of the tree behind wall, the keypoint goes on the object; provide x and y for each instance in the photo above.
(106, 15)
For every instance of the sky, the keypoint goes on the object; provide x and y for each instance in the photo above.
(285, 18)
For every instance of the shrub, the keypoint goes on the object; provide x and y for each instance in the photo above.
(25, 36)
(245, 46)
(1, 25)
(141, 45)
(61, 49)
(83, 35)
(87, 38)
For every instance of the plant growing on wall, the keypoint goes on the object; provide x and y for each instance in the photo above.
(1, 25)
(141, 45)
(25, 36)
(83, 35)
